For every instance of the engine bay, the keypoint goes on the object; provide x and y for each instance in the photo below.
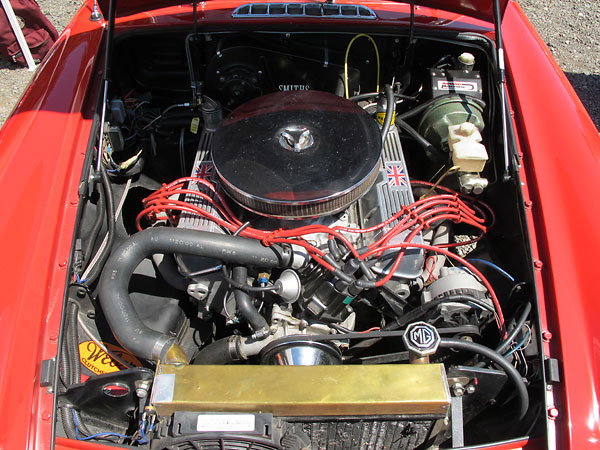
(301, 240)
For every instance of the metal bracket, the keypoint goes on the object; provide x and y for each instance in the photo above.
(480, 387)
(456, 411)
(110, 397)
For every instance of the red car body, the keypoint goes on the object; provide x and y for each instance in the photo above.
(43, 148)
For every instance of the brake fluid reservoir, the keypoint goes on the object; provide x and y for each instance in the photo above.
(464, 141)
(447, 111)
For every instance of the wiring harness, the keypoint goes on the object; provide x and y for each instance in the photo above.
(165, 204)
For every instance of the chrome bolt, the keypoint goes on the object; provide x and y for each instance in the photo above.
(141, 389)
(458, 389)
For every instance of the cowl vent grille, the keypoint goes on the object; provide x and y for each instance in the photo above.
(254, 10)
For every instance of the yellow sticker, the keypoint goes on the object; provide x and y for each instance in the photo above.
(194, 125)
(381, 118)
(100, 362)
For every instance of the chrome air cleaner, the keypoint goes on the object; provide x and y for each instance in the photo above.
(297, 154)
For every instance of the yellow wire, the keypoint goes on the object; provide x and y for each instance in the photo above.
(346, 60)
(450, 171)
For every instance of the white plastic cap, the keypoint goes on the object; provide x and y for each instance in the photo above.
(467, 129)
(467, 59)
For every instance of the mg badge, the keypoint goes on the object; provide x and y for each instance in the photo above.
(421, 338)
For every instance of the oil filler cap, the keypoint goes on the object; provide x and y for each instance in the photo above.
(421, 338)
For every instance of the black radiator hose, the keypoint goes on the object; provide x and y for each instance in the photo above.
(244, 303)
(116, 304)
(223, 351)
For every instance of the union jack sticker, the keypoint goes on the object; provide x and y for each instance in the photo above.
(396, 175)
(204, 171)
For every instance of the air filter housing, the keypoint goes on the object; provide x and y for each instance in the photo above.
(297, 154)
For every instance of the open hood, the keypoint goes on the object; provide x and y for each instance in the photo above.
(480, 9)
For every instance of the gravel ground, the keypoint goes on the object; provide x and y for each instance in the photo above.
(13, 78)
(569, 28)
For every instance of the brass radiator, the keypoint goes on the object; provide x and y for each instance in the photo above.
(299, 391)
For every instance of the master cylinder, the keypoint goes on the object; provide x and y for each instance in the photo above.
(458, 92)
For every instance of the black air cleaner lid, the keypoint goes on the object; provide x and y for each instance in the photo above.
(297, 154)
